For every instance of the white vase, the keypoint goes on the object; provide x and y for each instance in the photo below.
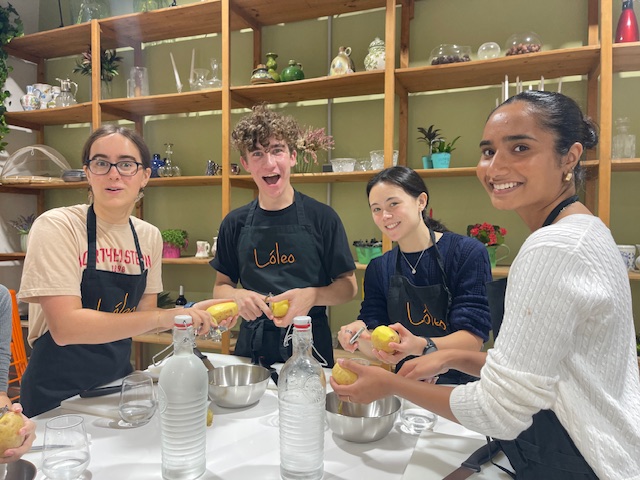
(24, 238)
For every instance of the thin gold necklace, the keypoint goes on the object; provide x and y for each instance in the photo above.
(413, 267)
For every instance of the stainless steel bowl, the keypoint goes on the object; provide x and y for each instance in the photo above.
(362, 422)
(237, 386)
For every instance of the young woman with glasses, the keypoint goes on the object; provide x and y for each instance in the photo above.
(92, 276)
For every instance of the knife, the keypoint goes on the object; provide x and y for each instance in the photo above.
(100, 391)
(472, 464)
(204, 358)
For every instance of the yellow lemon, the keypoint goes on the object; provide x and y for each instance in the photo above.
(343, 376)
(382, 336)
(10, 425)
(209, 417)
(280, 308)
(221, 311)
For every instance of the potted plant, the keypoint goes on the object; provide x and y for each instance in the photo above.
(23, 225)
(367, 250)
(441, 152)
(174, 240)
(10, 27)
(109, 63)
(310, 142)
(428, 136)
(492, 236)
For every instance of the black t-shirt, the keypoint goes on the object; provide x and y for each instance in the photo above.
(328, 233)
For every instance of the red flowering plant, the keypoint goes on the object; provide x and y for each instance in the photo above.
(487, 233)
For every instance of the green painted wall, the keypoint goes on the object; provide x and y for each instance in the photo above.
(357, 123)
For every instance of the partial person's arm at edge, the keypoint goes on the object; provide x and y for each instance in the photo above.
(436, 363)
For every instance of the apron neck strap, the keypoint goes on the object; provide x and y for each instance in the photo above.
(559, 208)
(92, 241)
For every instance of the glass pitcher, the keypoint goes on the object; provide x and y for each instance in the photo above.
(90, 9)
(66, 98)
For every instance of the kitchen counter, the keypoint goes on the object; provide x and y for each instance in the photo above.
(243, 444)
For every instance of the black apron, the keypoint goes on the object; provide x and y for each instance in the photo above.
(424, 311)
(545, 450)
(274, 259)
(55, 372)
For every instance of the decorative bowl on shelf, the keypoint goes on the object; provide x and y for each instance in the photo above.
(343, 164)
(519, 43)
(449, 53)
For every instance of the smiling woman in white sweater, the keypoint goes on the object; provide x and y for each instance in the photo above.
(562, 378)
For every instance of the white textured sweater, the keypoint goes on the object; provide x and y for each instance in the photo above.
(567, 343)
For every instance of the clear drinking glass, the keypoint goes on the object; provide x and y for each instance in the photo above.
(137, 399)
(414, 419)
(65, 455)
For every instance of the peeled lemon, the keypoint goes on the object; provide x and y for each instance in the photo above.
(10, 425)
(221, 311)
(209, 417)
(280, 308)
(382, 336)
(343, 376)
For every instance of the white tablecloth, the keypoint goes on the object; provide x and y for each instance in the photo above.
(243, 444)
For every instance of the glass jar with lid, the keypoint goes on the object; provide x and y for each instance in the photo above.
(519, 43)
(450, 53)
(624, 143)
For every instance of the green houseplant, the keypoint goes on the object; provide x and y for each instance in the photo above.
(109, 63)
(174, 240)
(441, 152)
(10, 27)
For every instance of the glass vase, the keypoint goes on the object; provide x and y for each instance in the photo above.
(86, 10)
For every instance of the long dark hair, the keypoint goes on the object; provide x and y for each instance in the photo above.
(562, 116)
(409, 181)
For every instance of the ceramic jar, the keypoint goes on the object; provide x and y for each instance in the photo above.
(31, 99)
(292, 72)
(375, 59)
(342, 63)
(261, 75)
(272, 66)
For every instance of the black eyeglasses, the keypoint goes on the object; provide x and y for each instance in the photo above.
(126, 168)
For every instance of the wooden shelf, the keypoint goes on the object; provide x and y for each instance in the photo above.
(553, 64)
(186, 261)
(36, 119)
(626, 165)
(626, 57)
(8, 257)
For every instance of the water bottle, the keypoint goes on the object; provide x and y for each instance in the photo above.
(301, 403)
(183, 390)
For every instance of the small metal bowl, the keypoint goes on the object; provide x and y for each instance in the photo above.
(237, 386)
(20, 470)
(362, 422)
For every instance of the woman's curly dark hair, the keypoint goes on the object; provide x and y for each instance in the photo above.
(261, 125)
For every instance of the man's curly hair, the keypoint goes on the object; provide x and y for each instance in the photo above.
(261, 125)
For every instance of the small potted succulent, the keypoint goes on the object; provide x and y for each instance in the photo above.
(174, 240)
(23, 225)
(367, 250)
(441, 152)
(429, 136)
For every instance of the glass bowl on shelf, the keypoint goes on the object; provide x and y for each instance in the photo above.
(488, 50)
(449, 53)
(377, 159)
(519, 43)
(343, 164)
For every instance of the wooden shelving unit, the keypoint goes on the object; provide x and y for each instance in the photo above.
(597, 60)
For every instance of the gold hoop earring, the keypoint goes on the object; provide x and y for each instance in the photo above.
(90, 196)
